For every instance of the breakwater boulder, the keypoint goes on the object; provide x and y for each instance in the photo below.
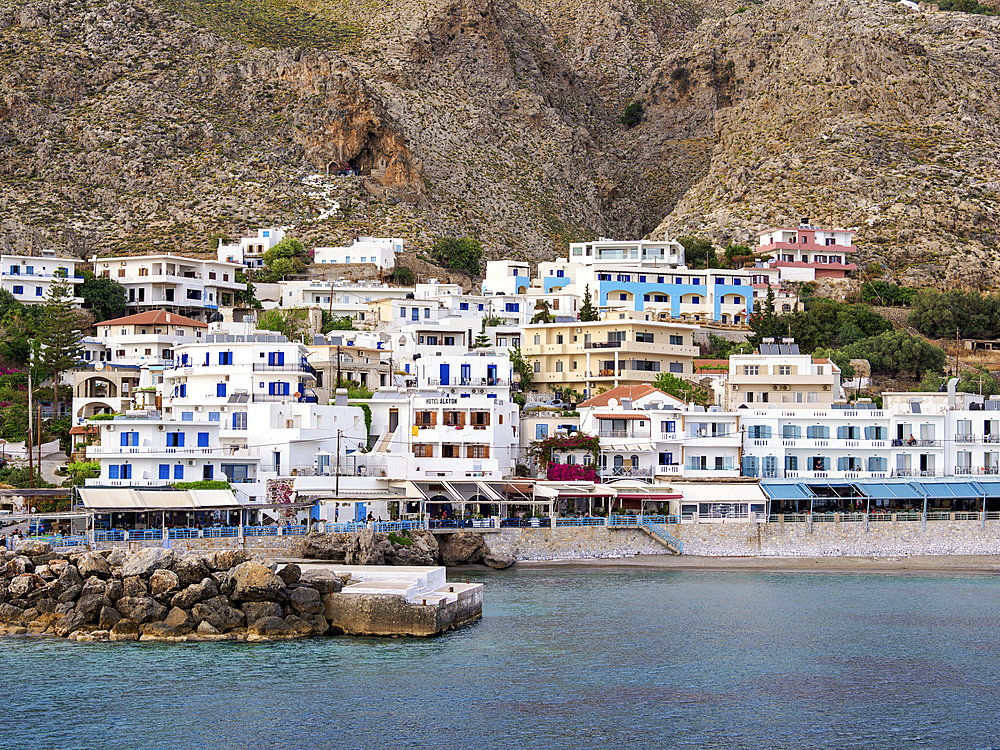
(155, 595)
(414, 547)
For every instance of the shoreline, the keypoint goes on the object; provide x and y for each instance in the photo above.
(981, 564)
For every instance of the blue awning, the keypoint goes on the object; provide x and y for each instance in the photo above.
(786, 491)
(989, 488)
(889, 490)
(950, 490)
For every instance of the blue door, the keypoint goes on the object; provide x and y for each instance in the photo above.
(360, 511)
(445, 375)
(466, 374)
(491, 374)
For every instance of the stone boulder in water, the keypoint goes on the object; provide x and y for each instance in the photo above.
(253, 582)
(462, 548)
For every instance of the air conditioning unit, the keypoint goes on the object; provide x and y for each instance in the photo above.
(826, 387)
(159, 427)
(784, 387)
(775, 387)
(197, 408)
(111, 428)
(736, 387)
(190, 462)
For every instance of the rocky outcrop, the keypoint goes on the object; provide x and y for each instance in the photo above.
(158, 599)
(499, 561)
(462, 548)
(414, 547)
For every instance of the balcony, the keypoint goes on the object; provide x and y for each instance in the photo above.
(965, 438)
(602, 344)
(497, 382)
(621, 472)
(290, 367)
(668, 469)
(915, 443)
(916, 473)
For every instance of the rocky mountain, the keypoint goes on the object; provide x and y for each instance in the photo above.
(136, 125)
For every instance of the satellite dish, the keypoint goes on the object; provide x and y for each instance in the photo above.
(612, 402)
(99, 366)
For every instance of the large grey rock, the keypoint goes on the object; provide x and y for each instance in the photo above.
(272, 627)
(117, 557)
(70, 576)
(326, 547)
(323, 581)
(190, 596)
(108, 618)
(46, 605)
(142, 609)
(259, 610)
(163, 584)
(420, 548)
(305, 599)
(45, 572)
(499, 562)
(93, 564)
(33, 548)
(69, 623)
(462, 548)
(22, 585)
(18, 566)
(300, 626)
(218, 613)
(227, 559)
(175, 624)
(93, 585)
(134, 586)
(191, 569)
(290, 573)
(125, 630)
(253, 582)
(115, 590)
(147, 560)
(91, 606)
(364, 549)
(11, 615)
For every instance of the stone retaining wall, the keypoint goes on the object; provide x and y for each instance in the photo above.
(882, 539)
(265, 546)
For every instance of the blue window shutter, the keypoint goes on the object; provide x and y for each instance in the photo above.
(202, 439)
(281, 359)
(126, 471)
(208, 361)
(220, 390)
(124, 439)
(180, 439)
(113, 471)
(164, 471)
(178, 471)
(767, 431)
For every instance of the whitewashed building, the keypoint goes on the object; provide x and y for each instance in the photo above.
(381, 251)
(249, 251)
(28, 277)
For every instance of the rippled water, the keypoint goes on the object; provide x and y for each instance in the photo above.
(564, 658)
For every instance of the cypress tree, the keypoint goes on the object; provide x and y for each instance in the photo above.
(58, 344)
(587, 311)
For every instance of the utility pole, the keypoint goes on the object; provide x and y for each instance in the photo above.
(29, 441)
(956, 352)
(336, 480)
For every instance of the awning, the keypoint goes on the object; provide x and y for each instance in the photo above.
(742, 492)
(630, 448)
(106, 499)
(989, 488)
(622, 416)
(890, 490)
(786, 491)
(950, 490)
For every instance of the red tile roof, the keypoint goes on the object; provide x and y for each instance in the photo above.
(155, 317)
(625, 391)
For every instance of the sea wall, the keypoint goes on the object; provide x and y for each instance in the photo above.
(881, 539)
(264, 546)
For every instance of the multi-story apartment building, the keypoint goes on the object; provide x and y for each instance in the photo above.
(340, 298)
(507, 277)
(378, 250)
(778, 376)
(341, 358)
(249, 251)
(28, 277)
(622, 349)
(187, 286)
(628, 252)
(807, 252)
(147, 338)
(102, 387)
(457, 425)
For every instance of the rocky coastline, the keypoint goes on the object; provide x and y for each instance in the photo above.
(408, 548)
(155, 595)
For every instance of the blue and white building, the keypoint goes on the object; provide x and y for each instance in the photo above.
(28, 277)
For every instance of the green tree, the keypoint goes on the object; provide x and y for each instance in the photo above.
(522, 366)
(633, 113)
(839, 358)
(764, 322)
(58, 343)
(459, 253)
(587, 310)
(482, 340)
(334, 323)
(287, 258)
(403, 276)
(942, 314)
(80, 471)
(247, 296)
(682, 389)
(103, 296)
(698, 253)
(542, 313)
(895, 352)
(292, 324)
(736, 255)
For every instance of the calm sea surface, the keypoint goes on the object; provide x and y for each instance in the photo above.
(564, 658)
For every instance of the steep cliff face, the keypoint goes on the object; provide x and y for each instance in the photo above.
(133, 125)
(868, 116)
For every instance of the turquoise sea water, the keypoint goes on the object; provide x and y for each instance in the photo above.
(564, 658)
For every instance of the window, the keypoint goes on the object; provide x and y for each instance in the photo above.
(15, 270)
(671, 425)
(130, 439)
(719, 280)
(513, 307)
(676, 340)
(478, 451)
(18, 290)
(225, 358)
(678, 280)
(759, 431)
(421, 450)
(38, 291)
(538, 339)
(696, 282)
(751, 370)
(449, 341)
(646, 337)
(559, 338)
(463, 306)
(187, 416)
(179, 471)
(624, 277)
(213, 416)
(175, 439)
(113, 471)
(818, 432)
(202, 439)
(427, 312)
(278, 389)
(541, 431)
(402, 312)
(748, 397)
(239, 420)
(125, 471)
(695, 300)
(164, 471)
(559, 365)
(220, 390)
(791, 463)
(677, 367)
(432, 340)
(784, 369)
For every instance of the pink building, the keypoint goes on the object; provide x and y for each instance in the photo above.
(807, 253)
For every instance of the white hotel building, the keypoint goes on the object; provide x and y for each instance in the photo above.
(28, 277)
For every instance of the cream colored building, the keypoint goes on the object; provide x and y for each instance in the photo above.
(778, 376)
(623, 349)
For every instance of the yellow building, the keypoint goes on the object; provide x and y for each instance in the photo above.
(625, 350)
